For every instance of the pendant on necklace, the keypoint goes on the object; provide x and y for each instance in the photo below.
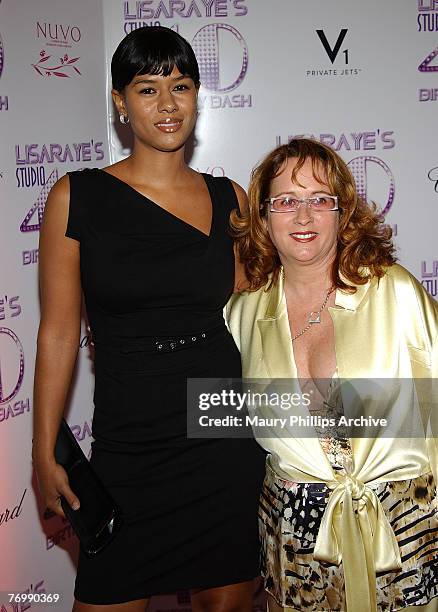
(314, 317)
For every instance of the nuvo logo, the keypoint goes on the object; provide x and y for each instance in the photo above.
(57, 35)
(332, 52)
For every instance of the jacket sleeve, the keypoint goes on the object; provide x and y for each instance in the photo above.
(421, 331)
(432, 433)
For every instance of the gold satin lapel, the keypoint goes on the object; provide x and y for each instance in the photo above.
(275, 336)
(277, 349)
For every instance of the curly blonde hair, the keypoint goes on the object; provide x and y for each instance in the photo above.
(364, 245)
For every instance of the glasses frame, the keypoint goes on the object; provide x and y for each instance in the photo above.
(300, 201)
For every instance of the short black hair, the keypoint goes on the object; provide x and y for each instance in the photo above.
(152, 50)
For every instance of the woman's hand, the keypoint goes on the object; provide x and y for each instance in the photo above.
(53, 483)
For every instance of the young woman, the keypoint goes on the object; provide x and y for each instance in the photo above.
(146, 240)
(348, 522)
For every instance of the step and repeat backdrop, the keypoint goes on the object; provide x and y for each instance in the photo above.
(360, 77)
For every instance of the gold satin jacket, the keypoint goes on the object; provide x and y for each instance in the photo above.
(387, 329)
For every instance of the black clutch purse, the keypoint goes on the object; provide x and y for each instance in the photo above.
(98, 519)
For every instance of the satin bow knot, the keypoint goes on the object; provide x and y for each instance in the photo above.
(354, 486)
(355, 530)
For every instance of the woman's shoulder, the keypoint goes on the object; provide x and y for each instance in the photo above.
(418, 306)
(249, 305)
(242, 313)
(229, 186)
(398, 274)
(82, 179)
(85, 173)
(401, 278)
(84, 183)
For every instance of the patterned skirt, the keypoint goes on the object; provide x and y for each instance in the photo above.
(289, 518)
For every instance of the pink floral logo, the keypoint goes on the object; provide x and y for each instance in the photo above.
(64, 67)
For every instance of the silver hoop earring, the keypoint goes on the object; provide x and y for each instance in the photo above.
(123, 118)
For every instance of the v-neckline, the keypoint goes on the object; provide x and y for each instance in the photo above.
(165, 211)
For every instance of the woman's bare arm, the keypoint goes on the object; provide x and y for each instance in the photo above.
(240, 280)
(58, 341)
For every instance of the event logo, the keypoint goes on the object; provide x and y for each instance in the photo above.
(429, 278)
(57, 34)
(429, 65)
(432, 175)
(9, 515)
(350, 141)
(427, 18)
(81, 431)
(140, 13)
(428, 95)
(335, 54)
(65, 533)
(58, 67)
(425, 65)
(9, 307)
(32, 221)
(30, 257)
(366, 169)
(362, 167)
(222, 55)
(11, 366)
(32, 161)
(32, 154)
(207, 47)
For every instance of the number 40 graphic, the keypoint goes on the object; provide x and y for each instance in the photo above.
(32, 221)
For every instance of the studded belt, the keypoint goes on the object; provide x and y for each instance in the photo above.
(162, 344)
(179, 342)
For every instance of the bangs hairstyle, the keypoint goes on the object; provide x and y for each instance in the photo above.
(364, 245)
(152, 50)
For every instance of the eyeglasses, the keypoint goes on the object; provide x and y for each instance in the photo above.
(287, 203)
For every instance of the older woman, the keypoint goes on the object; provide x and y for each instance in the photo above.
(347, 522)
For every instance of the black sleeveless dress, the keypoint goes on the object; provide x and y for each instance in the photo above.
(151, 281)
